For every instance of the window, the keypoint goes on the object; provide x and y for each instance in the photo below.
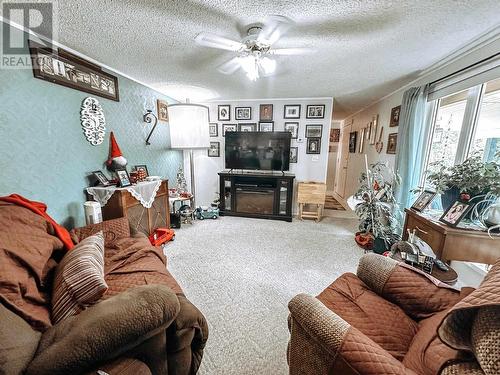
(466, 122)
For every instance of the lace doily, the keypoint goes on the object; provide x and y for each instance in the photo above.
(144, 192)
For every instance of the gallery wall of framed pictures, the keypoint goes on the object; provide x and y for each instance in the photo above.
(306, 121)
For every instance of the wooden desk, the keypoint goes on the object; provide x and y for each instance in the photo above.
(145, 220)
(452, 243)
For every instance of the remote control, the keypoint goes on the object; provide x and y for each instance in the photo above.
(441, 265)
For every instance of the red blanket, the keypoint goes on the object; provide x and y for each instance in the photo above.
(41, 209)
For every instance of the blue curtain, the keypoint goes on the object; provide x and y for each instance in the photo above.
(413, 138)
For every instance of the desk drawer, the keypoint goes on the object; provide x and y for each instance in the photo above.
(427, 233)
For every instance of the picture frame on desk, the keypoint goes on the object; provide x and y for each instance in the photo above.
(453, 215)
(424, 199)
(101, 178)
(123, 178)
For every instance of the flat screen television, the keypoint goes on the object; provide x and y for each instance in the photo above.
(269, 151)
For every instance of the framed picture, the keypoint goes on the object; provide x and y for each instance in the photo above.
(392, 143)
(423, 200)
(453, 215)
(229, 128)
(292, 127)
(248, 127)
(162, 107)
(243, 113)
(266, 126)
(266, 112)
(292, 111)
(213, 129)
(63, 68)
(214, 150)
(395, 116)
(142, 168)
(101, 178)
(313, 146)
(314, 131)
(334, 135)
(224, 112)
(123, 177)
(294, 151)
(353, 137)
(315, 111)
(361, 140)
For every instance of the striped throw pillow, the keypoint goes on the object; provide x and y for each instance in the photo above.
(79, 279)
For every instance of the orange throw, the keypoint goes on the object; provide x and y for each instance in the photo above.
(41, 209)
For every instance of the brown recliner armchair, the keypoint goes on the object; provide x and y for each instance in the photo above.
(389, 319)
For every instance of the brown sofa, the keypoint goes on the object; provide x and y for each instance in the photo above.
(389, 319)
(143, 324)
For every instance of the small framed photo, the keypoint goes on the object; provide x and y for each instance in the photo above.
(314, 131)
(266, 126)
(334, 135)
(248, 127)
(423, 200)
(392, 143)
(213, 129)
(101, 178)
(266, 112)
(224, 112)
(455, 213)
(214, 150)
(395, 116)
(162, 108)
(123, 177)
(313, 146)
(243, 113)
(353, 138)
(294, 151)
(292, 127)
(315, 111)
(142, 168)
(292, 111)
(229, 128)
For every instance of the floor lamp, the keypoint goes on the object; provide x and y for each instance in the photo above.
(189, 131)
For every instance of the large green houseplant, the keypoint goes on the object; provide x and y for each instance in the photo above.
(474, 177)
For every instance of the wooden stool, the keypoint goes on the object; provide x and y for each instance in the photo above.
(311, 193)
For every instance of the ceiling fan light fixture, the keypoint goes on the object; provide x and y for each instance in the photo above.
(268, 65)
(249, 65)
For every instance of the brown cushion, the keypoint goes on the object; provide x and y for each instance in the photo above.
(113, 230)
(380, 320)
(79, 280)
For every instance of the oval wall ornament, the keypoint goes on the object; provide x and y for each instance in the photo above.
(93, 121)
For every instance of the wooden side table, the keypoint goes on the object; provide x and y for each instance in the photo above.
(146, 220)
(313, 193)
(452, 243)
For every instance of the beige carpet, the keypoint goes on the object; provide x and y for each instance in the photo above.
(241, 273)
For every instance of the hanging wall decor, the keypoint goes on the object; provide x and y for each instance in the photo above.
(93, 121)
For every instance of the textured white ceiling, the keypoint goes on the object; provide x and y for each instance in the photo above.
(366, 48)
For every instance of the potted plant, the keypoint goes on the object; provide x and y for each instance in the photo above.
(465, 181)
(377, 207)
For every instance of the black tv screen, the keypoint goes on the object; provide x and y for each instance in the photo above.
(258, 150)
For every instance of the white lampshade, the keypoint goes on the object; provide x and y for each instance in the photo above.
(188, 126)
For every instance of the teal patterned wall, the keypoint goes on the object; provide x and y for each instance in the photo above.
(44, 154)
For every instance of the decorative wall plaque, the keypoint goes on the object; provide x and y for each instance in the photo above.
(93, 121)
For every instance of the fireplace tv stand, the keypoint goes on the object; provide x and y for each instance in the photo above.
(256, 194)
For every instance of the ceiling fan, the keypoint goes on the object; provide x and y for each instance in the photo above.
(255, 51)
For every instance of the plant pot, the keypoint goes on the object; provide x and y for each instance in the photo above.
(379, 246)
(449, 197)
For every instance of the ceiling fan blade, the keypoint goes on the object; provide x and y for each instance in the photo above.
(220, 42)
(231, 66)
(291, 51)
(274, 28)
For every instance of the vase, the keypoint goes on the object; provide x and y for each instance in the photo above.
(491, 216)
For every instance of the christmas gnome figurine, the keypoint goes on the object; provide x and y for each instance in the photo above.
(116, 159)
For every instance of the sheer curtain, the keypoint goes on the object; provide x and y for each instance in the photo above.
(413, 140)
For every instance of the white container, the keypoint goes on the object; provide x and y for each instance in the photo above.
(93, 213)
